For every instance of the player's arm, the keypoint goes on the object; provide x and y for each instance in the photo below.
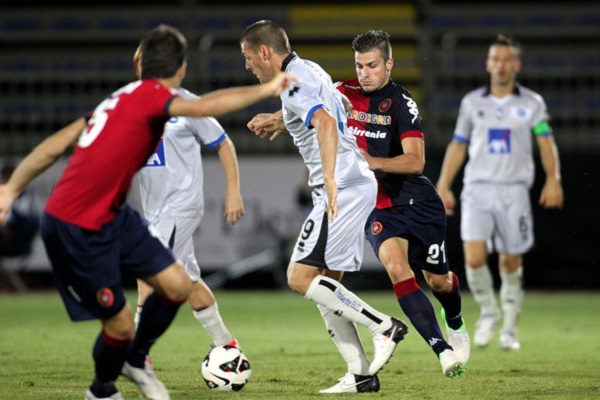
(411, 162)
(266, 124)
(552, 193)
(41, 157)
(326, 127)
(456, 154)
(227, 100)
(234, 204)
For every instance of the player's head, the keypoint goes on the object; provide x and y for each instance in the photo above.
(163, 52)
(503, 61)
(264, 44)
(373, 59)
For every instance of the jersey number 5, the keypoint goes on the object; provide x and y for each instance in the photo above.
(97, 122)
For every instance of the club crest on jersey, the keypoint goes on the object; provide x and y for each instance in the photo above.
(385, 105)
(376, 228)
(157, 159)
(105, 297)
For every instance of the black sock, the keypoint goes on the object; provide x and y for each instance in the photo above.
(157, 315)
(452, 304)
(109, 355)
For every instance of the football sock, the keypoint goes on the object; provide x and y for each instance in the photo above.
(157, 315)
(417, 307)
(481, 285)
(109, 355)
(345, 336)
(452, 304)
(511, 297)
(211, 320)
(138, 312)
(331, 294)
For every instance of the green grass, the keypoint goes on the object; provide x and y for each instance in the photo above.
(45, 356)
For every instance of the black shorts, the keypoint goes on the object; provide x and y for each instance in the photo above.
(422, 224)
(87, 264)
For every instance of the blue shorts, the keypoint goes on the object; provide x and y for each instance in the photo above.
(422, 224)
(87, 264)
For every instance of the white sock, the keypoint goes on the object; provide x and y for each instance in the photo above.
(213, 323)
(511, 297)
(481, 285)
(138, 313)
(332, 295)
(345, 336)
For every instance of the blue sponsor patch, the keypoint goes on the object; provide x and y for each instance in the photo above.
(158, 159)
(499, 141)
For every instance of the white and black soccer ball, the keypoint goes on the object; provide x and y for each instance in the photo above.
(226, 368)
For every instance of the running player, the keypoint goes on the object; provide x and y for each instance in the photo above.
(90, 232)
(495, 126)
(344, 193)
(171, 190)
(408, 225)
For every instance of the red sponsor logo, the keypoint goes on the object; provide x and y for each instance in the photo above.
(105, 297)
(376, 228)
(385, 105)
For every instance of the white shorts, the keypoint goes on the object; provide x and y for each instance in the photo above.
(336, 245)
(499, 214)
(178, 231)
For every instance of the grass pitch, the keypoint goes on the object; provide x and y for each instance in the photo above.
(45, 356)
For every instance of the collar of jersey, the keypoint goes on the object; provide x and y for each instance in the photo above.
(288, 60)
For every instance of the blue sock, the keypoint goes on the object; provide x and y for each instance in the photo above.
(417, 307)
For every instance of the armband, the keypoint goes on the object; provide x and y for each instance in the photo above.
(542, 129)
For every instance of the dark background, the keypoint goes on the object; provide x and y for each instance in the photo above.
(59, 58)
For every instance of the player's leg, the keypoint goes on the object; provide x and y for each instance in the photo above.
(511, 298)
(91, 288)
(202, 301)
(345, 336)
(481, 285)
(446, 290)
(476, 227)
(515, 237)
(206, 311)
(144, 290)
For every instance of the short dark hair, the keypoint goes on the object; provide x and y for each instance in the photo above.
(268, 33)
(504, 40)
(371, 40)
(164, 51)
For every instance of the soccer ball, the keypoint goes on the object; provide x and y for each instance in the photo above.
(226, 368)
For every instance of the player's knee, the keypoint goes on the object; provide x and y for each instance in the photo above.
(475, 262)
(297, 285)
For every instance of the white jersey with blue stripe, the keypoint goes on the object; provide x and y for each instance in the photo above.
(172, 180)
(313, 91)
(499, 132)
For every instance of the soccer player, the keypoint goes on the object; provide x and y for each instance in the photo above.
(171, 190)
(90, 232)
(495, 126)
(344, 193)
(407, 226)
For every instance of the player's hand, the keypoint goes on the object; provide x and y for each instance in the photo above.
(369, 158)
(332, 206)
(280, 82)
(552, 195)
(234, 208)
(267, 124)
(449, 201)
(7, 197)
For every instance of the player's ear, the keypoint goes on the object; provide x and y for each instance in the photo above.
(265, 52)
(389, 64)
